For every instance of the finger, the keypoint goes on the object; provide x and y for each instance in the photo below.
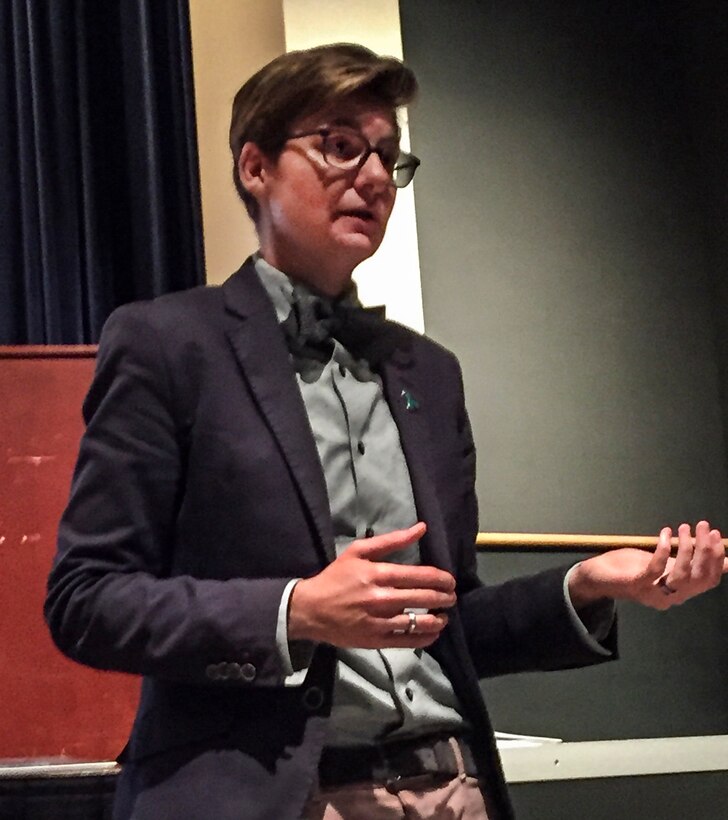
(680, 572)
(721, 562)
(416, 641)
(720, 565)
(380, 632)
(387, 640)
(408, 576)
(717, 539)
(393, 602)
(708, 557)
(380, 546)
(658, 562)
(426, 623)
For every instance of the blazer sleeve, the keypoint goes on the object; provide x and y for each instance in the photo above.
(113, 600)
(524, 624)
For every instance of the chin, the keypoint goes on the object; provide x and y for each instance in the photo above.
(359, 245)
(353, 260)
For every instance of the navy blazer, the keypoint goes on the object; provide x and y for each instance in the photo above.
(197, 495)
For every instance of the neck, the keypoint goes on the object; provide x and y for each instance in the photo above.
(331, 277)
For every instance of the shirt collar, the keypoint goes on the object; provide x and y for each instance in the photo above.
(282, 291)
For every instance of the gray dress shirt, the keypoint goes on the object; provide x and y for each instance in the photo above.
(378, 694)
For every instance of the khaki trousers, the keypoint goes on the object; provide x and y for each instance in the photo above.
(457, 799)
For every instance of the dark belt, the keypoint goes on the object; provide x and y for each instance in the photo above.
(392, 764)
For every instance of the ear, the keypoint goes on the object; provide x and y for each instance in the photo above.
(252, 168)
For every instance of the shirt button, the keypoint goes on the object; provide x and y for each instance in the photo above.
(368, 532)
(313, 698)
(361, 448)
(410, 694)
(248, 672)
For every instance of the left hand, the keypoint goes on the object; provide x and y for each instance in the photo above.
(653, 579)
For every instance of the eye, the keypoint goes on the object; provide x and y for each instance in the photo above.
(343, 146)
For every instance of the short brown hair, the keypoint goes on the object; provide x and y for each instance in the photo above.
(299, 83)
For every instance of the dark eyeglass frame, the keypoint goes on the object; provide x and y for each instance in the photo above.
(402, 171)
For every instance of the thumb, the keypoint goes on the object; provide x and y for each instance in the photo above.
(380, 546)
(718, 541)
(658, 562)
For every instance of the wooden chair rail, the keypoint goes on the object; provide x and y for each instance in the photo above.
(494, 541)
(47, 351)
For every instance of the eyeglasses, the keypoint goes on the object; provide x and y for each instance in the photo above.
(348, 149)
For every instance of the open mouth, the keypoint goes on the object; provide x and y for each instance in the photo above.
(359, 213)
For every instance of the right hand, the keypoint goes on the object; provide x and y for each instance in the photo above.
(359, 600)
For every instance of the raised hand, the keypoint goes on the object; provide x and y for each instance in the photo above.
(359, 599)
(654, 579)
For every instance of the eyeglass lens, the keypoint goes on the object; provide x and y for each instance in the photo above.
(347, 149)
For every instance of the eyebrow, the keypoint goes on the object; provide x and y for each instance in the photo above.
(347, 122)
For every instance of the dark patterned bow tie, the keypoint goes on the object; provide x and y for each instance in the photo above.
(315, 321)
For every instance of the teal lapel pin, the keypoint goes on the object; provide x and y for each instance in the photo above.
(410, 402)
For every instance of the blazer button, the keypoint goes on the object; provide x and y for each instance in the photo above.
(213, 671)
(234, 671)
(248, 672)
(313, 698)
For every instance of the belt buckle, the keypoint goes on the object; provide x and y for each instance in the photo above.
(412, 769)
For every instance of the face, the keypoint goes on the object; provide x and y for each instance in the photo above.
(318, 222)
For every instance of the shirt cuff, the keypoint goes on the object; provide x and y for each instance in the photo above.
(594, 622)
(295, 655)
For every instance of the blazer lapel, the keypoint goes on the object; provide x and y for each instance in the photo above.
(260, 349)
(410, 417)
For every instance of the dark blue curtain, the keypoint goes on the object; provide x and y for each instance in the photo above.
(99, 200)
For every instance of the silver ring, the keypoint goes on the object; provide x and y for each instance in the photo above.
(665, 587)
(412, 627)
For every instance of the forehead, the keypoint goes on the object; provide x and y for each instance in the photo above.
(376, 120)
